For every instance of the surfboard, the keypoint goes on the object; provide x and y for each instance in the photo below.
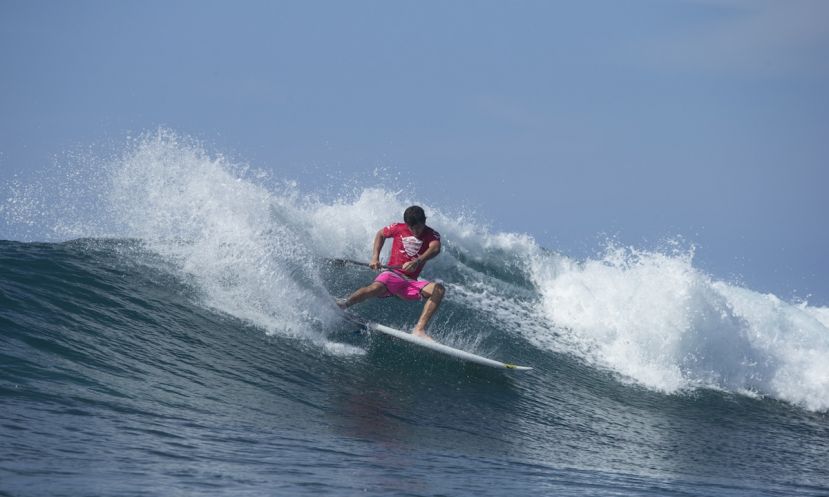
(433, 345)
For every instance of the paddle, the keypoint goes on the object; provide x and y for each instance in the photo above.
(343, 262)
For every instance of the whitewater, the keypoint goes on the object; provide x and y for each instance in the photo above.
(171, 254)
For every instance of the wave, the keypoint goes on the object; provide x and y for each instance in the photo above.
(254, 248)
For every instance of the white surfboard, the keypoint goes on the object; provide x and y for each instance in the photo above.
(437, 347)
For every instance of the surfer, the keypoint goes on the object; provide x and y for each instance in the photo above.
(413, 244)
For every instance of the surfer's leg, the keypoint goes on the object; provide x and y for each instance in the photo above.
(375, 289)
(433, 293)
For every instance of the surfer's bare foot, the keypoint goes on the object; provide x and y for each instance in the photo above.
(342, 304)
(421, 334)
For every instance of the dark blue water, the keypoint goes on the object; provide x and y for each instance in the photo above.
(117, 377)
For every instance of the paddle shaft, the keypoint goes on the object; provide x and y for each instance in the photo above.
(361, 263)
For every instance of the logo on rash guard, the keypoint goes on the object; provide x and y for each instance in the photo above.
(411, 245)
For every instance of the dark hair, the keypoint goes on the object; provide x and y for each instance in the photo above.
(414, 215)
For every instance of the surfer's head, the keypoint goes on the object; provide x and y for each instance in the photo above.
(415, 219)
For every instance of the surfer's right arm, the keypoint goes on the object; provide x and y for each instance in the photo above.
(379, 240)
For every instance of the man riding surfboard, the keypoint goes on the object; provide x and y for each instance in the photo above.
(413, 243)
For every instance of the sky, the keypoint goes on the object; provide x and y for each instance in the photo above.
(575, 122)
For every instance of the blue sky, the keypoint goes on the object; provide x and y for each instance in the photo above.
(571, 121)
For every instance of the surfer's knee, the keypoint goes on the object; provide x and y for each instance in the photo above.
(438, 291)
(376, 288)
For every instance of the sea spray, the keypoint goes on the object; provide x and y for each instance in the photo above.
(227, 233)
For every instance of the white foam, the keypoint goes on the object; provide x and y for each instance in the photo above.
(342, 349)
(346, 228)
(657, 320)
(222, 230)
(792, 339)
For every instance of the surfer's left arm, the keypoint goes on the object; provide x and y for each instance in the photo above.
(431, 252)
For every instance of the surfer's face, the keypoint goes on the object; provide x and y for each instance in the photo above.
(417, 229)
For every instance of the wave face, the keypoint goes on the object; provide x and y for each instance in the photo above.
(189, 334)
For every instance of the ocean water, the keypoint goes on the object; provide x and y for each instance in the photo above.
(178, 337)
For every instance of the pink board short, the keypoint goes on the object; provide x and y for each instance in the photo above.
(400, 286)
